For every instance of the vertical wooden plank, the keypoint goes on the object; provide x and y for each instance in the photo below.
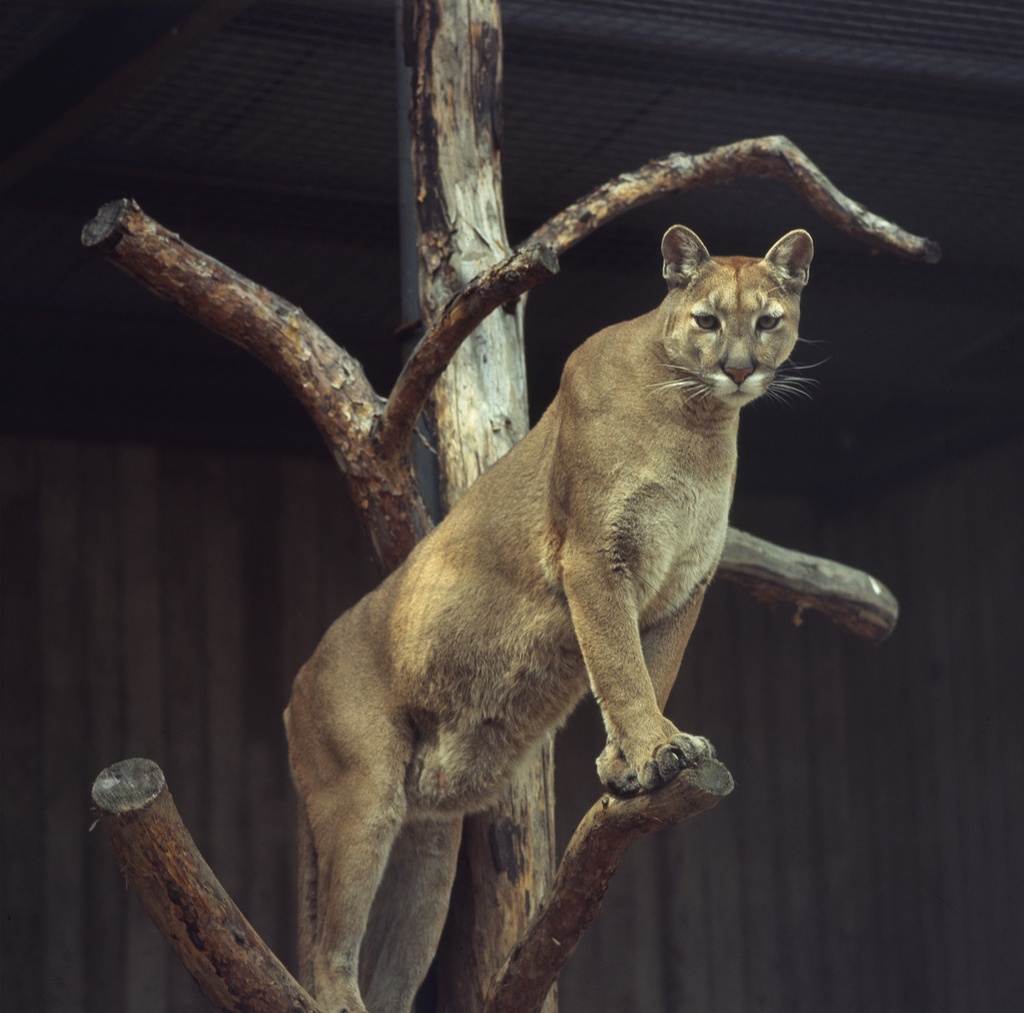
(965, 573)
(878, 737)
(688, 866)
(147, 959)
(926, 528)
(183, 633)
(302, 563)
(837, 829)
(1003, 661)
(257, 493)
(990, 637)
(752, 760)
(712, 690)
(21, 711)
(791, 767)
(64, 777)
(346, 569)
(139, 499)
(183, 658)
(644, 987)
(103, 718)
(220, 582)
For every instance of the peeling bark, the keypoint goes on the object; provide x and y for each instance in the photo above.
(464, 312)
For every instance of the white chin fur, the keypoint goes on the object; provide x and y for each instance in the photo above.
(726, 390)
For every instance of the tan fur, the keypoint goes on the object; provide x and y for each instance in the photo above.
(577, 562)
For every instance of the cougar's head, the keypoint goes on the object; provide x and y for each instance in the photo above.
(730, 322)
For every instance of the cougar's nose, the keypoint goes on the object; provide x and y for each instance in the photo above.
(737, 373)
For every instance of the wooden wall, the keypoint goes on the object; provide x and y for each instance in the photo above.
(157, 603)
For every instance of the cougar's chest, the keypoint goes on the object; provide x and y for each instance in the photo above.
(668, 536)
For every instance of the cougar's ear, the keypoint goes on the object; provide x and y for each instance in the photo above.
(684, 255)
(790, 259)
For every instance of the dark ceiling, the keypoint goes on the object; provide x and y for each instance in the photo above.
(265, 134)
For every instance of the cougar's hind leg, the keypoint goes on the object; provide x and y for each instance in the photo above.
(352, 840)
(408, 913)
(307, 877)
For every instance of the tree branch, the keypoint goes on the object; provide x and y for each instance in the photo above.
(586, 869)
(497, 286)
(234, 968)
(849, 597)
(760, 158)
(328, 382)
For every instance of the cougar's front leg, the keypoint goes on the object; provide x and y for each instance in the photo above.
(663, 646)
(644, 748)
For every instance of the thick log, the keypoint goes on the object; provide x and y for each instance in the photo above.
(231, 964)
(507, 856)
(455, 115)
(760, 158)
(849, 597)
(586, 869)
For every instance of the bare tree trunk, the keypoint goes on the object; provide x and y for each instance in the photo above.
(480, 409)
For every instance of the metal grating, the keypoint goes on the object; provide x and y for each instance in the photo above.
(897, 103)
(986, 39)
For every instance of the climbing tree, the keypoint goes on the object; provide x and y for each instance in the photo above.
(467, 373)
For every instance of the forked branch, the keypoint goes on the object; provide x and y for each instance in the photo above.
(497, 286)
(328, 382)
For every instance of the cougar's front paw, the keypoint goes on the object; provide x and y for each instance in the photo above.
(681, 751)
(623, 778)
(616, 774)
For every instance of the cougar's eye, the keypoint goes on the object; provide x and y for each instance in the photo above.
(768, 322)
(706, 321)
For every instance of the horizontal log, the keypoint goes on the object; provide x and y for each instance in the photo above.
(847, 596)
(233, 967)
(586, 869)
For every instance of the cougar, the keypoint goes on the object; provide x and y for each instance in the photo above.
(578, 561)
